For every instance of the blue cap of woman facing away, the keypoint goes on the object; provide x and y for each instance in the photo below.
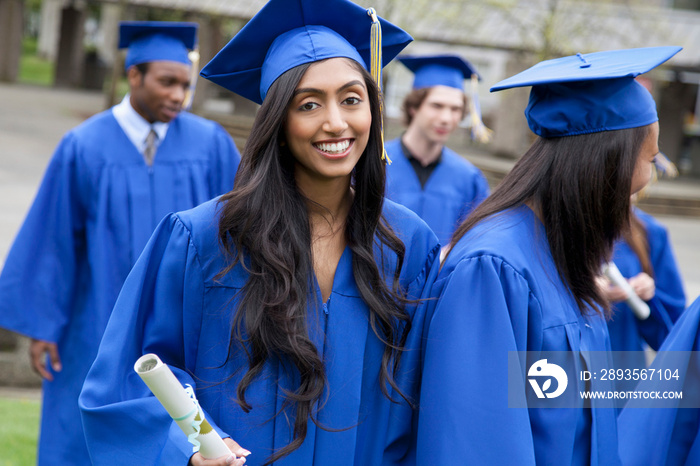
(288, 33)
(590, 93)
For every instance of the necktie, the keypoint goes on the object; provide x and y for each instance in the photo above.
(150, 151)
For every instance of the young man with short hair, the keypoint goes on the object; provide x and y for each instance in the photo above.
(432, 180)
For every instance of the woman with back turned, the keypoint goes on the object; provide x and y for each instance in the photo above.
(517, 293)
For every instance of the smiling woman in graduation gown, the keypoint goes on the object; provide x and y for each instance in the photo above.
(520, 275)
(426, 176)
(173, 305)
(296, 368)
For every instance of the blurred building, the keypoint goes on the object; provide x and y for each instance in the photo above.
(500, 38)
(506, 37)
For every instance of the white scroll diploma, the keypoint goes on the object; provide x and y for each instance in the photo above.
(639, 307)
(181, 405)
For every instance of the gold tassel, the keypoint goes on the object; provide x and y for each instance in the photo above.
(479, 131)
(194, 73)
(375, 68)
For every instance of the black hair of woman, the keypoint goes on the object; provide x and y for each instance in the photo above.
(580, 187)
(265, 227)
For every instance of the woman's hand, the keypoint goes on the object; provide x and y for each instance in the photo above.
(644, 286)
(237, 451)
(612, 293)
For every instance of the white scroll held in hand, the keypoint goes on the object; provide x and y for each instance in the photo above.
(640, 308)
(181, 404)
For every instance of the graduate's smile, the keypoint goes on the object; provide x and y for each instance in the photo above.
(328, 120)
(334, 148)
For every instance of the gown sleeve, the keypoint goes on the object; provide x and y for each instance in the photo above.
(669, 285)
(43, 266)
(158, 311)
(480, 314)
(670, 434)
(400, 447)
(482, 189)
(480, 192)
(227, 160)
(669, 299)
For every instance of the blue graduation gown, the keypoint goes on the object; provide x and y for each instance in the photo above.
(627, 333)
(453, 190)
(499, 292)
(668, 435)
(95, 210)
(172, 305)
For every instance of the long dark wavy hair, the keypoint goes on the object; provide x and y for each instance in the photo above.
(265, 228)
(582, 186)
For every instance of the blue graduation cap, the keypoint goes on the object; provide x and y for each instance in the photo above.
(288, 33)
(589, 93)
(439, 70)
(157, 41)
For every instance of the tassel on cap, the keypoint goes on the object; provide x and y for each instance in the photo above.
(375, 68)
(194, 73)
(479, 131)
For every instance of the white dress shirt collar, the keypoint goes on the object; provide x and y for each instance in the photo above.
(135, 126)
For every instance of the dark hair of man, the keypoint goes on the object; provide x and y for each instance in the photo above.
(264, 226)
(582, 186)
(415, 98)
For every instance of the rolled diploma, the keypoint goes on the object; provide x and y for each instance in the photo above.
(639, 307)
(178, 403)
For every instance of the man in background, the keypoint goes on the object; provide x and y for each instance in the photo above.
(108, 184)
(432, 180)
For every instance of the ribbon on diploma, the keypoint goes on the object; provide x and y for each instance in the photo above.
(182, 406)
